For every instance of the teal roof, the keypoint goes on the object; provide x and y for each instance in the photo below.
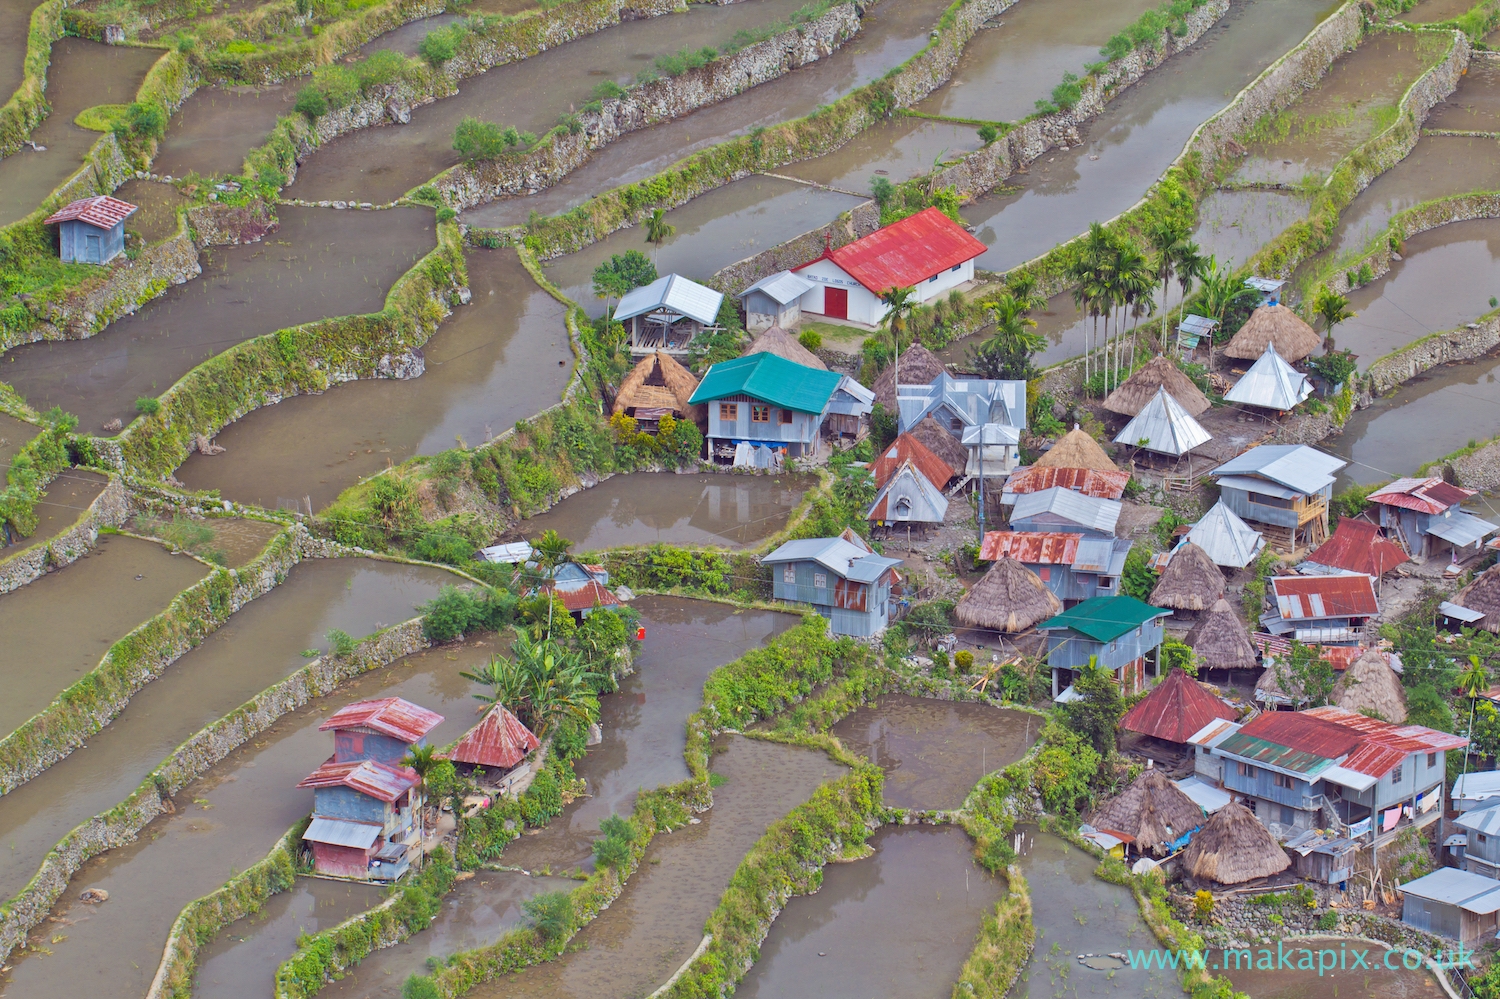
(1104, 618)
(772, 379)
(1273, 754)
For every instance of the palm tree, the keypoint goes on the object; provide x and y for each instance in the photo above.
(1013, 341)
(1088, 273)
(658, 231)
(1222, 291)
(1133, 282)
(1164, 239)
(899, 304)
(1473, 681)
(1022, 288)
(506, 680)
(1189, 263)
(1332, 308)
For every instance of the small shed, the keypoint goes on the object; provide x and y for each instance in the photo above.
(1233, 847)
(1271, 383)
(1273, 324)
(1321, 610)
(1059, 509)
(658, 386)
(1356, 546)
(1164, 426)
(91, 230)
(1119, 633)
(1269, 289)
(781, 343)
(848, 409)
(1153, 813)
(1322, 855)
(1009, 599)
(1481, 827)
(775, 300)
(842, 581)
(1370, 685)
(1076, 449)
(1425, 515)
(1175, 709)
(1220, 639)
(1227, 539)
(1073, 567)
(1478, 604)
(497, 745)
(907, 498)
(1137, 391)
(668, 314)
(915, 366)
(1190, 582)
(1460, 905)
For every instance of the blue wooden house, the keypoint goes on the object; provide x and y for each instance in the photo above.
(843, 581)
(766, 399)
(1284, 488)
(1062, 510)
(1118, 632)
(91, 230)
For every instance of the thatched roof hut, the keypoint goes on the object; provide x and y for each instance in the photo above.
(1153, 811)
(1191, 581)
(1370, 683)
(1010, 598)
(1274, 324)
(781, 343)
(1483, 596)
(917, 365)
(1233, 847)
(657, 385)
(1159, 372)
(931, 435)
(1220, 640)
(1175, 709)
(1077, 449)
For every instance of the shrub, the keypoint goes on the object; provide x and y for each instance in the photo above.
(988, 134)
(146, 120)
(964, 660)
(311, 102)
(551, 915)
(420, 987)
(379, 68)
(455, 612)
(485, 140)
(811, 339)
(148, 405)
(437, 48)
(341, 643)
(446, 214)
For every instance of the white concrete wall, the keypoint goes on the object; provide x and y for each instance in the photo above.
(947, 280)
(864, 305)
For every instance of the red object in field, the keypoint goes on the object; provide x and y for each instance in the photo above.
(640, 634)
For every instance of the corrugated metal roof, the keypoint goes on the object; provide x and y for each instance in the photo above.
(772, 378)
(1450, 609)
(1357, 546)
(1164, 426)
(377, 780)
(101, 212)
(990, 435)
(1102, 555)
(1304, 732)
(1250, 483)
(908, 252)
(1263, 285)
(1476, 786)
(1274, 755)
(1213, 733)
(1350, 778)
(974, 401)
(499, 740)
(342, 832)
(392, 716)
(1296, 466)
(1429, 495)
(674, 293)
(1205, 796)
(1453, 887)
(1088, 481)
(1412, 738)
(1461, 529)
(1227, 539)
(1303, 598)
(851, 399)
(1030, 548)
(835, 554)
(781, 287)
(1104, 618)
(907, 448)
(908, 497)
(1086, 511)
(585, 597)
(1271, 383)
(1175, 709)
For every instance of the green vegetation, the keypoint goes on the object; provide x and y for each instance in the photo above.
(484, 140)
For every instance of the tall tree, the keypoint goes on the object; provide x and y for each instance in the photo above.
(1164, 237)
(1332, 308)
(1473, 681)
(658, 230)
(900, 303)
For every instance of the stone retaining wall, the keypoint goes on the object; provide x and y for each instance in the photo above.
(109, 509)
(1480, 469)
(857, 223)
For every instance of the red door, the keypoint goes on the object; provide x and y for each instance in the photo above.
(836, 303)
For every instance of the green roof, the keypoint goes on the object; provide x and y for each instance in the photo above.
(1104, 618)
(772, 379)
(1273, 754)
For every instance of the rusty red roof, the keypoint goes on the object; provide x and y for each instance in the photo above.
(1089, 481)
(1304, 732)
(584, 597)
(1029, 548)
(1175, 709)
(1430, 495)
(392, 716)
(1300, 598)
(499, 740)
(1357, 546)
(101, 211)
(1384, 745)
(908, 448)
(377, 780)
(906, 253)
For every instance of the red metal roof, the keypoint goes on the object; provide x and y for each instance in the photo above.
(584, 597)
(500, 740)
(100, 211)
(1358, 546)
(908, 448)
(1383, 745)
(392, 716)
(377, 780)
(906, 253)
(1304, 732)
(1030, 549)
(1310, 597)
(1430, 495)
(1089, 481)
(1175, 709)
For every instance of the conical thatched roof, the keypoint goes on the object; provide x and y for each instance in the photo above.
(1233, 847)
(657, 382)
(1175, 709)
(1275, 324)
(1191, 581)
(918, 366)
(1132, 397)
(1369, 682)
(931, 435)
(1483, 595)
(781, 343)
(1220, 640)
(1153, 810)
(1010, 598)
(1077, 449)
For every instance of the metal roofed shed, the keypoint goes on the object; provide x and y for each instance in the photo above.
(775, 300)
(1175, 709)
(1192, 329)
(1456, 904)
(91, 230)
(1059, 509)
(1321, 609)
(1461, 529)
(514, 553)
(499, 741)
(1271, 383)
(1356, 546)
(1204, 795)
(1226, 538)
(1165, 427)
(1431, 495)
(1269, 288)
(1471, 790)
(668, 314)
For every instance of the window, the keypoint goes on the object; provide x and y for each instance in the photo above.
(760, 414)
(955, 424)
(789, 573)
(729, 412)
(1246, 770)
(1396, 775)
(954, 268)
(1281, 780)
(1431, 760)
(786, 417)
(932, 279)
(1288, 817)
(1479, 837)
(1045, 572)
(1261, 499)
(820, 580)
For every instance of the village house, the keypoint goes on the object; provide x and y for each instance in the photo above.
(1152, 816)
(1460, 905)
(1074, 567)
(1220, 640)
(1424, 516)
(1233, 848)
(767, 400)
(1321, 610)
(91, 230)
(1063, 510)
(906, 448)
(581, 588)
(1164, 427)
(843, 581)
(959, 404)
(908, 497)
(667, 315)
(1227, 539)
(658, 386)
(1271, 383)
(775, 301)
(927, 252)
(1285, 488)
(367, 820)
(1175, 710)
(1137, 391)
(1356, 547)
(496, 747)
(1190, 582)
(1119, 633)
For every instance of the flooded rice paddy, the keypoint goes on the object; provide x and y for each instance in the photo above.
(860, 935)
(1379, 983)
(1475, 105)
(642, 508)
(934, 752)
(1234, 225)
(896, 150)
(503, 357)
(15, 19)
(231, 541)
(256, 647)
(14, 435)
(217, 126)
(319, 263)
(65, 499)
(157, 205)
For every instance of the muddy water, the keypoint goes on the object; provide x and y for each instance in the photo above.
(15, 21)
(81, 75)
(254, 649)
(1379, 983)
(856, 936)
(1343, 110)
(1234, 225)
(234, 541)
(225, 821)
(66, 498)
(646, 934)
(407, 38)
(891, 34)
(380, 164)
(934, 752)
(1137, 137)
(646, 507)
(121, 583)
(1077, 913)
(157, 205)
(643, 746)
(1475, 105)
(1008, 67)
(1432, 11)
(729, 224)
(319, 263)
(896, 150)
(14, 435)
(217, 126)
(501, 358)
